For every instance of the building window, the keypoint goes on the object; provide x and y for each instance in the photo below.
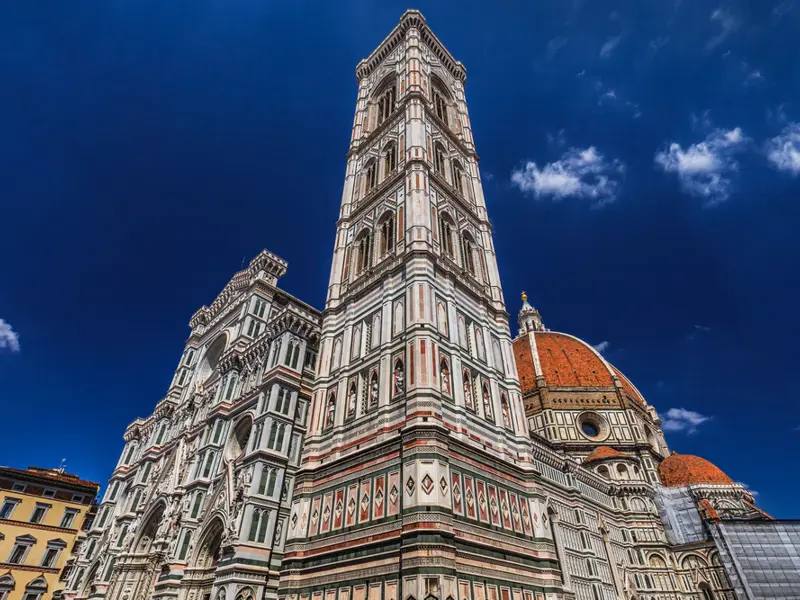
(109, 569)
(129, 456)
(364, 250)
(458, 174)
(9, 504)
(446, 231)
(20, 550)
(217, 431)
(114, 490)
(258, 526)
(468, 250)
(386, 103)
(390, 159)
(258, 308)
(276, 350)
(162, 429)
(269, 477)
(293, 355)
(283, 400)
(310, 361)
(233, 379)
(439, 158)
(18, 487)
(187, 539)
(198, 503)
(370, 176)
(69, 518)
(121, 536)
(50, 557)
(440, 105)
(39, 512)
(387, 234)
(257, 437)
(208, 464)
(49, 493)
(276, 434)
(254, 329)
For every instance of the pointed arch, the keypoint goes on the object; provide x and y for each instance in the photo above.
(385, 98)
(238, 438)
(151, 522)
(468, 248)
(355, 343)
(206, 554)
(389, 159)
(210, 362)
(440, 98)
(386, 228)
(447, 228)
(399, 318)
(486, 396)
(370, 175)
(458, 177)
(363, 251)
(440, 159)
(441, 317)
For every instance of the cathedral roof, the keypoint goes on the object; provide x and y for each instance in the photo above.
(684, 469)
(562, 360)
(602, 452)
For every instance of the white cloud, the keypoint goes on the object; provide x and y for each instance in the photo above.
(753, 77)
(9, 339)
(783, 9)
(608, 47)
(728, 23)
(554, 45)
(783, 151)
(608, 95)
(683, 420)
(580, 173)
(658, 43)
(602, 346)
(704, 168)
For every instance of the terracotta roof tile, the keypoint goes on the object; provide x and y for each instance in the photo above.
(684, 469)
(602, 452)
(48, 474)
(567, 361)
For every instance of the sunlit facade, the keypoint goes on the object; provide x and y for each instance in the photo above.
(402, 444)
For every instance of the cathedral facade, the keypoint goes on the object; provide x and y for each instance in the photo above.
(401, 444)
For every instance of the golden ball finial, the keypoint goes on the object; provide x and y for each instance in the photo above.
(524, 296)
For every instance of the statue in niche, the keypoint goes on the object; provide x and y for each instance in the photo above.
(445, 381)
(373, 399)
(399, 378)
(351, 402)
(487, 403)
(468, 399)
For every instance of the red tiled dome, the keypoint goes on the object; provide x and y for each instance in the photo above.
(602, 452)
(566, 361)
(684, 469)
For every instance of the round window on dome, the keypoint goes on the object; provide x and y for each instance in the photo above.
(593, 426)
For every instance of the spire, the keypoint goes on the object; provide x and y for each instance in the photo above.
(529, 318)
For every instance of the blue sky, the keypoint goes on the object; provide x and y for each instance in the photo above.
(641, 164)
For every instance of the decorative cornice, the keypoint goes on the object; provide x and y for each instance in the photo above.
(411, 19)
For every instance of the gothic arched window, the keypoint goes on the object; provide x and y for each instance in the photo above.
(389, 159)
(458, 177)
(468, 251)
(446, 226)
(330, 411)
(387, 234)
(336, 356)
(355, 347)
(440, 103)
(258, 526)
(370, 176)
(386, 102)
(441, 314)
(363, 249)
(480, 350)
(439, 155)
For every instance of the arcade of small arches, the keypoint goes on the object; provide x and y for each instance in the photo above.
(374, 244)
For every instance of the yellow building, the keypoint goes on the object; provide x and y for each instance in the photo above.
(42, 515)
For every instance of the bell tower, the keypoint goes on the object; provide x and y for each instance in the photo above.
(417, 398)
